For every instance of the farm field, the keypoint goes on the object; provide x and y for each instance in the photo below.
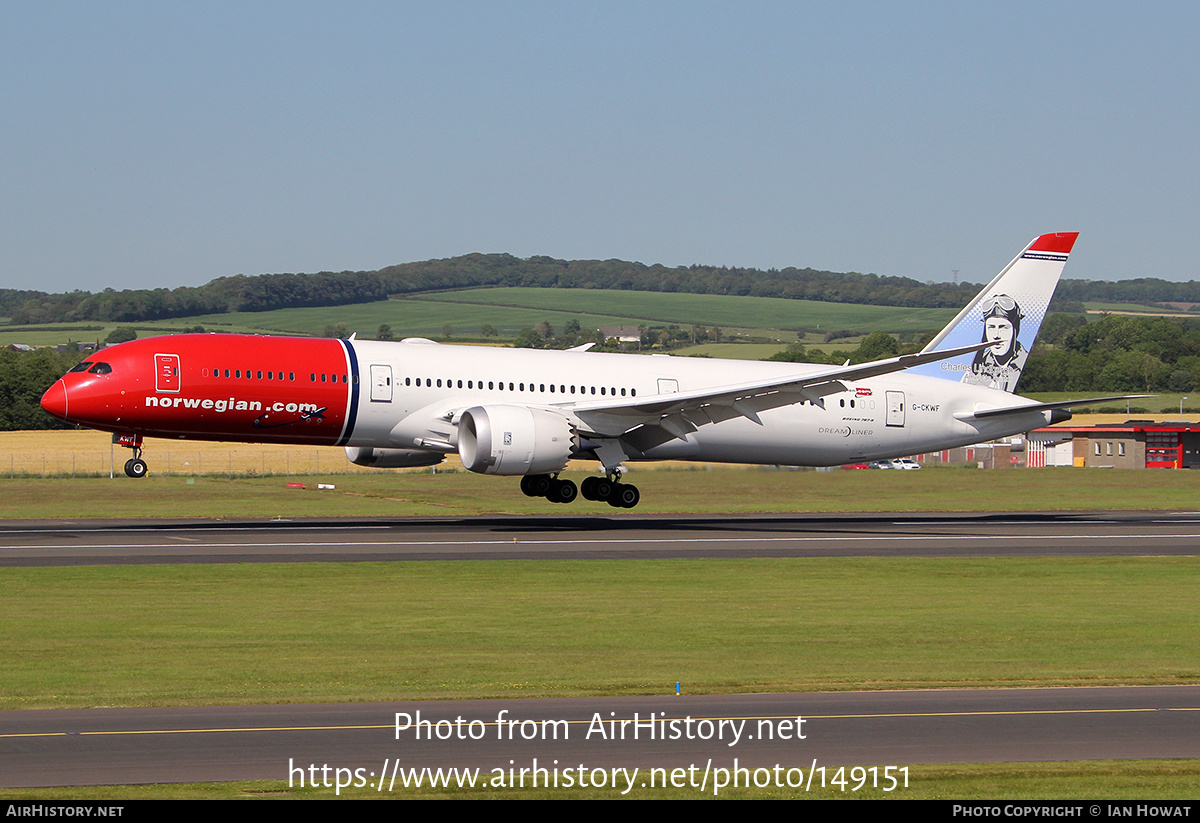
(1134, 308)
(510, 310)
(710, 310)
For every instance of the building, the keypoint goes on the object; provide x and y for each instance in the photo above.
(1134, 444)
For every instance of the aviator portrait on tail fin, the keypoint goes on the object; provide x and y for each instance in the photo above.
(999, 366)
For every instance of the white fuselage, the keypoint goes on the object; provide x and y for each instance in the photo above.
(409, 393)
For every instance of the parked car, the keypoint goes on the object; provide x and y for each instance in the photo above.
(897, 463)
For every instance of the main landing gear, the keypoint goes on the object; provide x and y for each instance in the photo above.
(134, 466)
(551, 488)
(607, 489)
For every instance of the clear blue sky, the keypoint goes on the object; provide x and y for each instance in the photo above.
(163, 144)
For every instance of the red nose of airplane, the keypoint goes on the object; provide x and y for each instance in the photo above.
(55, 400)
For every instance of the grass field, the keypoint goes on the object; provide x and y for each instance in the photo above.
(1134, 308)
(195, 479)
(510, 310)
(709, 309)
(1162, 406)
(1114, 780)
(316, 632)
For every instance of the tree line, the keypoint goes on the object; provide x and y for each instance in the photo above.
(278, 291)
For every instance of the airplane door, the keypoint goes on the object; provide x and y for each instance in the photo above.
(895, 408)
(166, 373)
(381, 383)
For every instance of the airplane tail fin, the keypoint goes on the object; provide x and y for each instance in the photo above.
(1009, 310)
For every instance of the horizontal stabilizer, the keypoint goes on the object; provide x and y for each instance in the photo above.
(1061, 404)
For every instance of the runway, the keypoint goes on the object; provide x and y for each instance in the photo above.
(67, 543)
(692, 738)
(881, 729)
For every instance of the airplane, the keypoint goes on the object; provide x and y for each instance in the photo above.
(527, 412)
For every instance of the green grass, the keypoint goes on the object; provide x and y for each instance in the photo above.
(1162, 405)
(682, 489)
(316, 632)
(1135, 308)
(52, 334)
(1109, 779)
(408, 318)
(710, 309)
(511, 309)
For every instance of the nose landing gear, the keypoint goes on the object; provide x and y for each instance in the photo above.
(135, 466)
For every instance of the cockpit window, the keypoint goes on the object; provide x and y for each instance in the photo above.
(100, 368)
(84, 366)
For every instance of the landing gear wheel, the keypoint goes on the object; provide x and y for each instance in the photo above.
(527, 486)
(588, 488)
(539, 483)
(603, 488)
(562, 491)
(135, 467)
(624, 496)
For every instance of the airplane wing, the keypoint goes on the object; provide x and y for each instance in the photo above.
(1035, 406)
(682, 412)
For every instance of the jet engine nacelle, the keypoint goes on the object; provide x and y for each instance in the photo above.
(392, 458)
(514, 440)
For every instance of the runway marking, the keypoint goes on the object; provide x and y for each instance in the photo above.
(608, 541)
(1019, 522)
(589, 721)
(144, 529)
